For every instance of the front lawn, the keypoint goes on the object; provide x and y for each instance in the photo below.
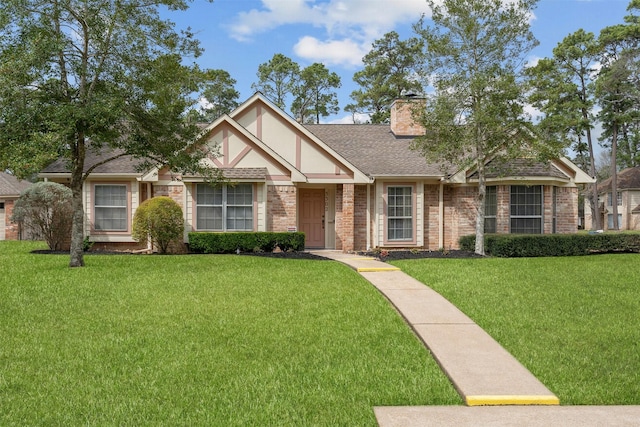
(574, 322)
(201, 340)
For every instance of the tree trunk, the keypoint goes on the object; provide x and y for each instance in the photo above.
(595, 208)
(482, 191)
(77, 224)
(614, 175)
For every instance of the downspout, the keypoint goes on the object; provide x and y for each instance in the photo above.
(441, 215)
(368, 217)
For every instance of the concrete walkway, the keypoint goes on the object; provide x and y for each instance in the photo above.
(481, 370)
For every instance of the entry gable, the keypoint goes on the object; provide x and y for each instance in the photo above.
(234, 147)
(299, 147)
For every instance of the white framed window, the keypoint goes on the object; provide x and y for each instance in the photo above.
(610, 199)
(224, 208)
(110, 207)
(610, 221)
(526, 209)
(490, 209)
(399, 213)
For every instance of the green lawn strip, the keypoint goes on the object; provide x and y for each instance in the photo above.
(572, 321)
(201, 340)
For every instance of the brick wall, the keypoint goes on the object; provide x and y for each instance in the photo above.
(12, 229)
(431, 217)
(567, 210)
(503, 197)
(401, 120)
(348, 218)
(281, 207)
(338, 217)
(360, 218)
(175, 192)
(460, 214)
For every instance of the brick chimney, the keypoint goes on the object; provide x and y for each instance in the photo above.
(402, 123)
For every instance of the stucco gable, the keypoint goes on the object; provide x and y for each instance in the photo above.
(233, 146)
(294, 142)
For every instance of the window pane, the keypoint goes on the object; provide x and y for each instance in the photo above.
(490, 225)
(111, 195)
(399, 213)
(224, 208)
(114, 219)
(240, 195)
(610, 220)
(400, 229)
(110, 208)
(526, 225)
(207, 195)
(239, 218)
(209, 218)
(526, 209)
(490, 202)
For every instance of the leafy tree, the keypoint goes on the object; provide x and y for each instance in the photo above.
(45, 208)
(277, 79)
(219, 94)
(314, 97)
(91, 75)
(563, 89)
(160, 221)
(389, 71)
(474, 51)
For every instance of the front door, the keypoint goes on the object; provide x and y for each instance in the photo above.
(312, 216)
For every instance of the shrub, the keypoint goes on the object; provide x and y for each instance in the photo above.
(524, 245)
(159, 220)
(46, 209)
(221, 243)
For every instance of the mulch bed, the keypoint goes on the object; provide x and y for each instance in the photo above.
(383, 255)
(393, 255)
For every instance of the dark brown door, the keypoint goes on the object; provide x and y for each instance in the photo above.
(312, 216)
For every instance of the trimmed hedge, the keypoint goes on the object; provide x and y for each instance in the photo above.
(537, 245)
(225, 243)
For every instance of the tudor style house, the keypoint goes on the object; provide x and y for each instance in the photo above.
(627, 199)
(347, 187)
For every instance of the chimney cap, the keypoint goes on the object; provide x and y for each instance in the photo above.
(409, 94)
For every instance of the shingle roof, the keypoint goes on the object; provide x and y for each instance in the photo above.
(521, 167)
(122, 165)
(627, 179)
(245, 173)
(10, 186)
(375, 150)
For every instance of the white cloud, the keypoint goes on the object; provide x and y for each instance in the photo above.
(532, 62)
(348, 120)
(331, 52)
(350, 26)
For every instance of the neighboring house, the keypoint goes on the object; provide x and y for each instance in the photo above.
(10, 189)
(627, 199)
(348, 187)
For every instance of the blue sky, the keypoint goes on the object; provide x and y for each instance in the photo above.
(239, 35)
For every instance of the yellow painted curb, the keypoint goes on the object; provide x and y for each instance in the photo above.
(375, 269)
(511, 400)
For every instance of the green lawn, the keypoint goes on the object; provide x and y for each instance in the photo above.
(574, 322)
(201, 340)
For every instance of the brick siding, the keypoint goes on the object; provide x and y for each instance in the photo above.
(281, 207)
(360, 218)
(12, 229)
